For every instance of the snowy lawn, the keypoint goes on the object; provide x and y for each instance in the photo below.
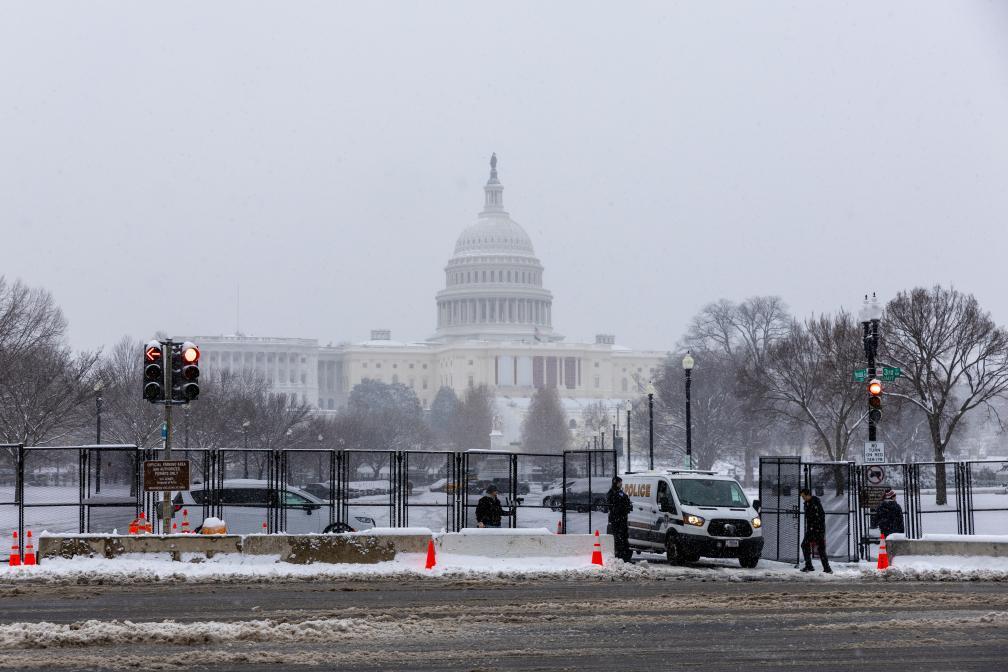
(147, 568)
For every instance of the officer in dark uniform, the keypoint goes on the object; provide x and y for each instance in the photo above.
(815, 531)
(619, 509)
(488, 509)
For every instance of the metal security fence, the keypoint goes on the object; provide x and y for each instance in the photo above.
(936, 498)
(81, 489)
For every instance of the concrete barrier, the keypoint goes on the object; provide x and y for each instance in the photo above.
(111, 546)
(948, 544)
(329, 548)
(521, 543)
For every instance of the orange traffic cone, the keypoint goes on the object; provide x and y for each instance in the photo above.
(185, 521)
(265, 528)
(597, 551)
(431, 560)
(174, 528)
(144, 525)
(29, 550)
(134, 527)
(560, 526)
(15, 554)
(883, 556)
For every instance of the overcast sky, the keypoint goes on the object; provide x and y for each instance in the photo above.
(325, 156)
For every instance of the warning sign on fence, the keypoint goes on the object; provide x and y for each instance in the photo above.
(161, 475)
(871, 496)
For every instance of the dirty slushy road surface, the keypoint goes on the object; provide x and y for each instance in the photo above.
(496, 624)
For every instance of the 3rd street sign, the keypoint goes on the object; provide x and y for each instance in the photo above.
(887, 373)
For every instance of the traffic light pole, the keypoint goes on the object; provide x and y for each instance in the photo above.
(166, 501)
(871, 349)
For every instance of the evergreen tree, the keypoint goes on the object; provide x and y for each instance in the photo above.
(545, 427)
(443, 412)
(474, 419)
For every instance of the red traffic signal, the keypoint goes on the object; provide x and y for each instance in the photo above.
(190, 353)
(875, 400)
(153, 372)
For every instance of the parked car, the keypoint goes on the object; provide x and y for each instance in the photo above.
(246, 503)
(578, 497)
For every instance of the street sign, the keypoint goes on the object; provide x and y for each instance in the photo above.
(891, 373)
(860, 375)
(874, 452)
(870, 496)
(874, 474)
(166, 475)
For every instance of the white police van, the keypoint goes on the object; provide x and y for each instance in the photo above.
(689, 514)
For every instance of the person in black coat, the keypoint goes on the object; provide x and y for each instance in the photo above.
(889, 515)
(619, 509)
(815, 531)
(488, 509)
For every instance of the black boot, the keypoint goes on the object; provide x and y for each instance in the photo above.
(807, 568)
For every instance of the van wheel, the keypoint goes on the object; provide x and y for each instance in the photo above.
(749, 561)
(692, 557)
(672, 551)
(337, 528)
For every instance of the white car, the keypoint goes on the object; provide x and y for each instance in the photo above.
(688, 514)
(246, 502)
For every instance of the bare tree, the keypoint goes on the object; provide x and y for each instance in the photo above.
(740, 335)
(805, 378)
(954, 360)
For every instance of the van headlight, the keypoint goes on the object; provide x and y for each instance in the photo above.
(756, 522)
(690, 519)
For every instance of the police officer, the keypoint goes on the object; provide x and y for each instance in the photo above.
(815, 531)
(619, 509)
(488, 509)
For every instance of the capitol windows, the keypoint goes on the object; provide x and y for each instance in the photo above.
(425, 383)
(377, 365)
(363, 365)
(395, 378)
(484, 276)
(425, 366)
(596, 382)
(411, 365)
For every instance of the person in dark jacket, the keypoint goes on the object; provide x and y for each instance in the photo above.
(889, 515)
(488, 510)
(619, 509)
(815, 531)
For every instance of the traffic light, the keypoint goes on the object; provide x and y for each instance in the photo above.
(875, 400)
(190, 355)
(153, 376)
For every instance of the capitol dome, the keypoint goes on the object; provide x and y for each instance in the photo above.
(493, 282)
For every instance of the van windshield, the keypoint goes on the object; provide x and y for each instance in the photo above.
(709, 492)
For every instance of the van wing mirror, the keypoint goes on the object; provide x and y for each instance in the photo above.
(666, 506)
(757, 505)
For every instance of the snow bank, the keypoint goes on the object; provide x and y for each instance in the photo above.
(504, 531)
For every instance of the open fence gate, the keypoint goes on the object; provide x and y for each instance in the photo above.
(780, 481)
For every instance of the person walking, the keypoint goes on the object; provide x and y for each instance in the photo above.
(889, 514)
(815, 531)
(488, 509)
(619, 509)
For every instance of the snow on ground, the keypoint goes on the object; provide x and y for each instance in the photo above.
(231, 568)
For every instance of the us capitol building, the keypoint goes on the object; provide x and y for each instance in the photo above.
(494, 327)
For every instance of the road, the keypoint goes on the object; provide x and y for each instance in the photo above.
(501, 625)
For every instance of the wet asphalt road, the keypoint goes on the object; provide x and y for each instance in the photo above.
(501, 625)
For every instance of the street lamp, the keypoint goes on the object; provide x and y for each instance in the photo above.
(629, 407)
(650, 422)
(98, 409)
(245, 426)
(687, 365)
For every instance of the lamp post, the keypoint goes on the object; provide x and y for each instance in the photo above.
(650, 422)
(687, 365)
(628, 407)
(245, 426)
(98, 409)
